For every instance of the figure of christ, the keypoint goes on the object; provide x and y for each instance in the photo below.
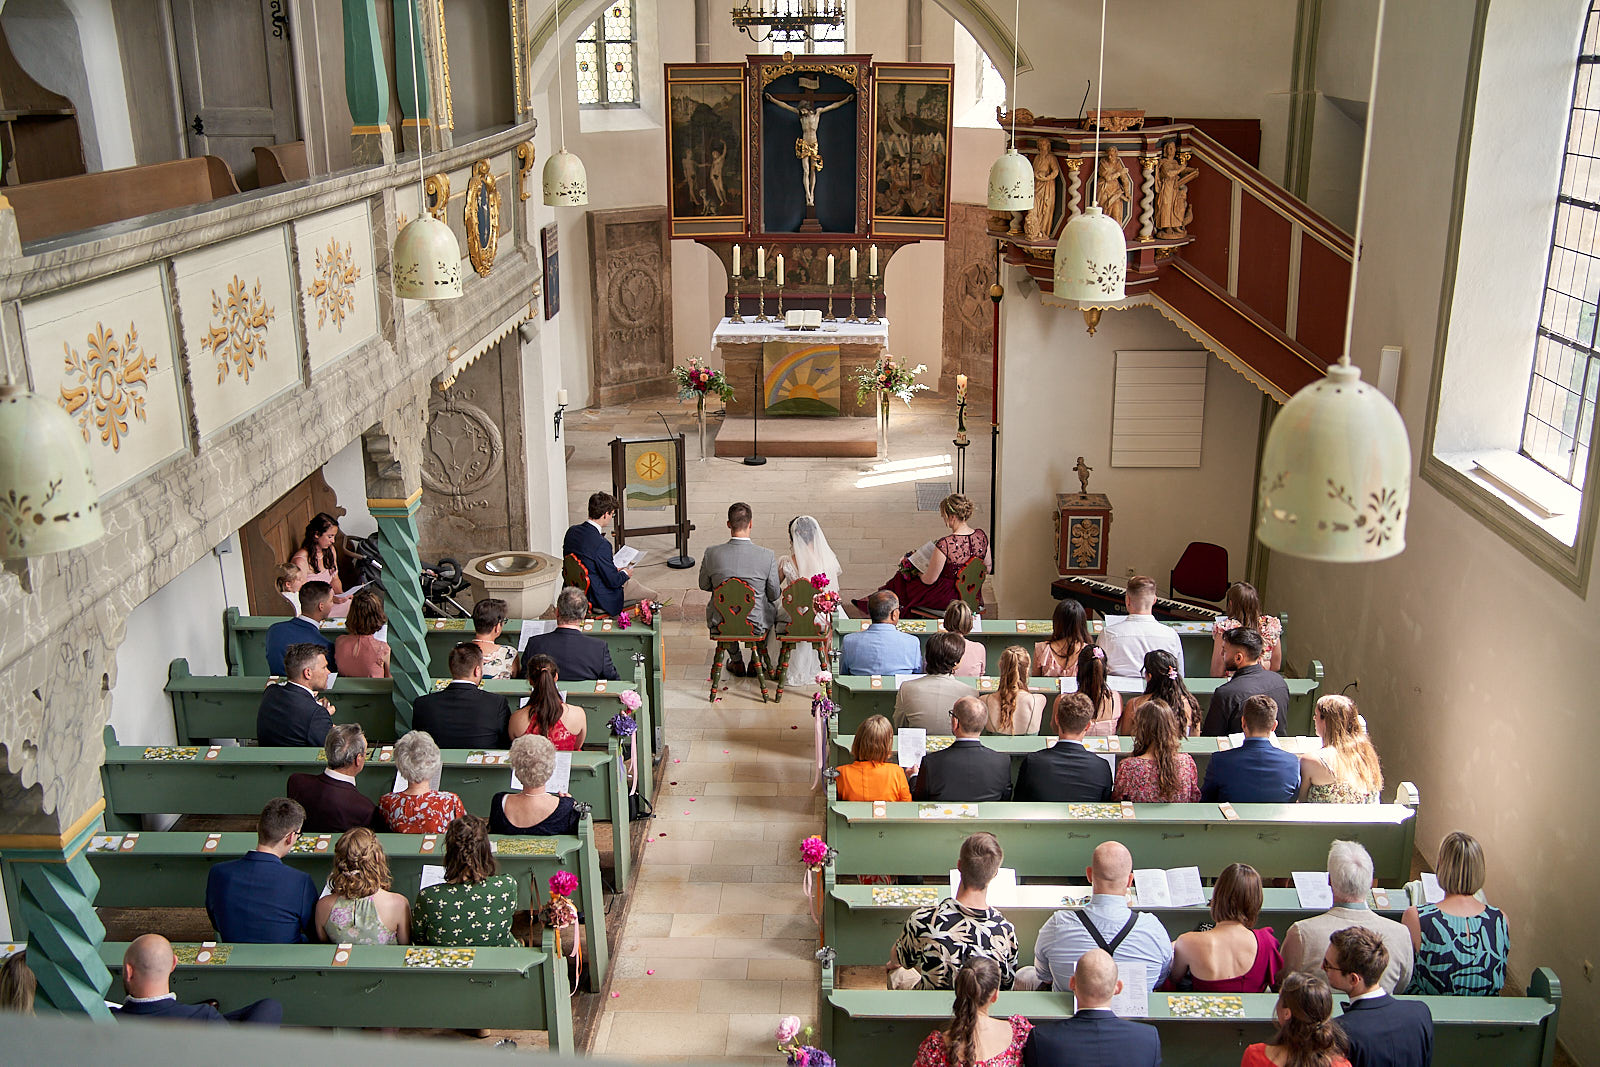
(805, 146)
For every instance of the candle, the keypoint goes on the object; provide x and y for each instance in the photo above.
(561, 398)
(736, 259)
(830, 268)
(780, 268)
(852, 264)
(961, 385)
(761, 261)
(872, 263)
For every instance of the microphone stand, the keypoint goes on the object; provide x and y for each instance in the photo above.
(757, 459)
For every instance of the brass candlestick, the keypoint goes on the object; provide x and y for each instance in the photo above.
(733, 280)
(761, 300)
(872, 298)
(853, 316)
(829, 316)
(781, 316)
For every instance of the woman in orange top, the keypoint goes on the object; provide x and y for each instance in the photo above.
(872, 776)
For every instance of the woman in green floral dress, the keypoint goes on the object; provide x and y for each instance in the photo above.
(474, 905)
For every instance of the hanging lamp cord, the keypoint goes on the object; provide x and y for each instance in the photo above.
(1016, 29)
(1099, 104)
(416, 100)
(1361, 195)
(561, 85)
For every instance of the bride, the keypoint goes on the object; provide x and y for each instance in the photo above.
(809, 554)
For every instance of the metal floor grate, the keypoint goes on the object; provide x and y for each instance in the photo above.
(930, 493)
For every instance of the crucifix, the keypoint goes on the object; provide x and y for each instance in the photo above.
(809, 106)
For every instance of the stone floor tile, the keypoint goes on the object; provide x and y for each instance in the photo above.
(726, 924)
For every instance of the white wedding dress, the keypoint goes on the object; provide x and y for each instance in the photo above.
(809, 554)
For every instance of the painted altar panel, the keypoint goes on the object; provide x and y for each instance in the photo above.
(706, 149)
(911, 149)
(105, 351)
(337, 287)
(237, 301)
(800, 378)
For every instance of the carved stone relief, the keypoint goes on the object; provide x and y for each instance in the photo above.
(968, 340)
(631, 290)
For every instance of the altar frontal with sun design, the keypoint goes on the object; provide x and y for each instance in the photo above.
(800, 379)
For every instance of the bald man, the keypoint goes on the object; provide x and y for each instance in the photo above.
(1093, 1036)
(1136, 940)
(147, 969)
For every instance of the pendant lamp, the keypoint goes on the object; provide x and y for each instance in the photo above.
(427, 258)
(48, 502)
(1011, 176)
(1336, 468)
(1092, 253)
(566, 183)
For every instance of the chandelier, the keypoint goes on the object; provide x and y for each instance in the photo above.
(788, 20)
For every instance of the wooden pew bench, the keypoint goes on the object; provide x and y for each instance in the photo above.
(858, 697)
(239, 781)
(886, 1026)
(1054, 841)
(56, 206)
(996, 635)
(509, 988)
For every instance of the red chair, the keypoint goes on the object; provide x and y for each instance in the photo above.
(1201, 574)
(574, 573)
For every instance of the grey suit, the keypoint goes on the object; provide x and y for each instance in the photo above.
(742, 558)
(925, 703)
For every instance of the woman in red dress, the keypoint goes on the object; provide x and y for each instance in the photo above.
(545, 713)
(1233, 956)
(973, 1038)
(934, 587)
(1307, 1035)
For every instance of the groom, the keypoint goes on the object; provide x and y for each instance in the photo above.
(740, 557)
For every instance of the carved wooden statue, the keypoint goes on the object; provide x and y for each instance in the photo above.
(1045, 172)
(1173, 213)
(805, 146)
(1115, 187)
(1083, 471)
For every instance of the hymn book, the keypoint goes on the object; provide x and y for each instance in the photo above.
(1177, 888)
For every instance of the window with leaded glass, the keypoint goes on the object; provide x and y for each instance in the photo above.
(608, 58)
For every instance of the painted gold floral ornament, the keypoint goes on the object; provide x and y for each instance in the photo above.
(333, 289)
(238, 334)
(111, 379)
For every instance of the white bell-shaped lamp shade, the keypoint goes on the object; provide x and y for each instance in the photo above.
(48, 502)
(427, 261)
(1091, 258)
(1336, 473)
(566, 183)
(1011, 183)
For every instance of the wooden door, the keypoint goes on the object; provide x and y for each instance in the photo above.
(237, 78)
(271, 538)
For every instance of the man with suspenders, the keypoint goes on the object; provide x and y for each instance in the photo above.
(1136, 940)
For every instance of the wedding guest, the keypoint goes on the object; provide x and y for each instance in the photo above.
(1136, 940)
(740, 557)
(1233, 956)
(1159, 771)
(488, 623)
(939, 937)
(1461, 943)
(474, 905)
(958, 619)
(1307, 1034)
(1127, 638)
(533, 811)
(147, 968)
(924, 703)
(1013, 709)
(1244, 610)
(1093, 1036)
(316, 601)
(1162, 681)
(331, 800)
(1345, 770)
(1066, 772)
(359, 908)
(1383, 1031)
(546, 714)
(289, 578)
(358, 652)
(293, 714)
(967, 772)
(1350, 877)
(578, 657)
(319, 558)
(421, 808)
(881, 648)
(258, 899)
(1069, 635)
(610, 589)
(1257, 771)
(18, 986)
(462, 714)
(873, 776)
(1095, 683)
(935, 585)
(1241, 654)
(973, 1039)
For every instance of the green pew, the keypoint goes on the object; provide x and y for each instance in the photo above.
(1047, 841)
(858, 698)
(239, 781)
(510, 988)
(884, 1026)
(863, 931)
(246, 644)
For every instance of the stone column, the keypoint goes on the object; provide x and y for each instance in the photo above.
(54, 891)
(392, 456)
(366, 84)
(411, 73)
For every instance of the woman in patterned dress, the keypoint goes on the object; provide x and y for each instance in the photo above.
(1244, 609)
(488, 622)
(360, 910)
(1461, 943)
(974, 1039)
(546, 713)
(932, 589)
(1345, 770)
(420, 808)
(1158, 772)
(473, 906)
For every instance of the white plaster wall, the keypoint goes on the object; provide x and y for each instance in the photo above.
(347, 477)
(1464, 649)
(1344, 48)
(1055, 405)
(70, 47)
(1335, 179)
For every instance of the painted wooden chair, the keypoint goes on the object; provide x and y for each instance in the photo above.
(731, 602)
(805, 627)
(969, 583)
(574, 572)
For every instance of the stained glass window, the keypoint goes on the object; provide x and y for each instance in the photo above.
(608, 58)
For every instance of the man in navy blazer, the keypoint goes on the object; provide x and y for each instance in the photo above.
(1093, 1036)
(579, 657)
(316, 601)
(1383, 1031)
(1066, 772)
(967, 772)
(147, 969)
(1257, 772)
(610, 589)
(258, 899)
(291, 715)
(881, 648)
(462, 715)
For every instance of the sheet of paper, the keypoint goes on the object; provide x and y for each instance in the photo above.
(1432, 891)
(530, 628)
(400, 783)
(625, 556)
(352, 591)
(432, 874)
(561, 777)
(1151, 884)
(1236, 740)
(1184, 884)
(1111, 761)
(923, 556)
(11, 948)
(1002, 890)
(1125, 685)
(912, 745)
(382, 633)
(1134, 1000)
(1314, 890)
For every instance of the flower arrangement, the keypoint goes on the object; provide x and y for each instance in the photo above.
(814, 852)
(788, 1035)
(826, 602)
(623, 724)
(559, 910)
(821, 705)
(645, 612)
(697, 379)
(563, 884)
(890, 377)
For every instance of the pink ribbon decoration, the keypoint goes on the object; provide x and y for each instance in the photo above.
(819, 729)
(811, 885)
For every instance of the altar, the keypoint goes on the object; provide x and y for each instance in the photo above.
(799, 372)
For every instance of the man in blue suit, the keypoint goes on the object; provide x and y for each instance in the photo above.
(1257, 772)
(1093, 1036)
(316, 601)
(881, 648)
(1383, 1031)
(147, 969)
(258, 899)
(610, 589)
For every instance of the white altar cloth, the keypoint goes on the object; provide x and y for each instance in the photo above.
(755, 333)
